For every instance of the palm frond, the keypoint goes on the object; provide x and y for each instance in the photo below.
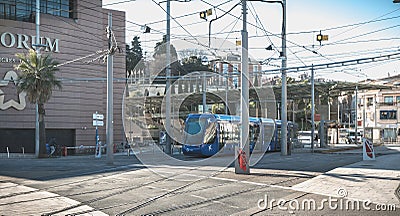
(37, 76)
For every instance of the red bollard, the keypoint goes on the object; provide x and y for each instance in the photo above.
(242, 160)
(64, 151)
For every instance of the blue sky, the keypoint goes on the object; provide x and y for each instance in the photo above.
(305, 18)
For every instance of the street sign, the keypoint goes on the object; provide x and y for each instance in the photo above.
(98, 123)
(97, 116)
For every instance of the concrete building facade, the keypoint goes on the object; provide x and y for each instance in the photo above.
(74, 34)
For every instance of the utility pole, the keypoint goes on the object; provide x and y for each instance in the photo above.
(312, 110)
(242, 164)
(204, 88)
(284, 131)
(110, 109)
(226, 93)
(168, 81)
(356, 117)
(37, 20)
(364, 114)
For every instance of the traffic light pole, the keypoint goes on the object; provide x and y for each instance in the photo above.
(284, 130)
(283, 113)
(312, 110)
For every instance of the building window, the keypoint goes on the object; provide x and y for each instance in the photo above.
(370, 101)
(24, 10)
(235, 68)
(388, 100)
(255, 68)
(398, 99)
(8, 10)
(388, 114)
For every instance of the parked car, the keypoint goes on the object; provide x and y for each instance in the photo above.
(351, 138)
(304, 137)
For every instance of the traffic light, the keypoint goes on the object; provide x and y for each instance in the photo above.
(203, 15)
(321, 37)
(147, 29)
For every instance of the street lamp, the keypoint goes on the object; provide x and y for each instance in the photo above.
(284, 149)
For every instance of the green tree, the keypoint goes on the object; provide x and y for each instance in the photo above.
(193, 63)
(134, 55)
(37, 79)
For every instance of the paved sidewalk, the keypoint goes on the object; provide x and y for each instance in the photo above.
(375, 181)
(28, 203)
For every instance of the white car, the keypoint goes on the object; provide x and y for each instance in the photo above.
(352, 137)
(304, 137)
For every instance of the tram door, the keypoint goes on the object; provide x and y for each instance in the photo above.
(267, 137)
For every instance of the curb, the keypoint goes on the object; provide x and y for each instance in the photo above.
(337, 150)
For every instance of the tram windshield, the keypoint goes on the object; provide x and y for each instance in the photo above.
(199, 131)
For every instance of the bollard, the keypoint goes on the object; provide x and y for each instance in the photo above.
(23, 151)
(64, 151)
(8, 153)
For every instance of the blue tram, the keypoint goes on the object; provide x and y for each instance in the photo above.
(208, 134)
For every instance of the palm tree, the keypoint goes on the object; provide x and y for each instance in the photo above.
(37, 79)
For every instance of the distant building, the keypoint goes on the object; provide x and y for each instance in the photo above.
(378, 110)
(70, 29)
(377, 107)
(230, 66)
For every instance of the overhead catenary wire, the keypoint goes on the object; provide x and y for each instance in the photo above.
(328, 44)
(326, 29)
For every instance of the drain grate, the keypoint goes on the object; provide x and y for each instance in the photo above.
(397, 192)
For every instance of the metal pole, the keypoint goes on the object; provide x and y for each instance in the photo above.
(226, 94)
(364, 117)
(37, 20)
(356, 118)
(110, 111)
(244, 151)
(97, 149)
(204, 93)
(312, 110)
(284, 147)
(168, 82)
(293, 113)
(329, 108)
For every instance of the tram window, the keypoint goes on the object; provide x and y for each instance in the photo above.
(210, 132)
(195, 130)
(222, 137)
(254, 132)
(268, 133)
(195, 125)
(230, 132)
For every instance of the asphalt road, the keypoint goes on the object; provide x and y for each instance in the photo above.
(129, 188)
